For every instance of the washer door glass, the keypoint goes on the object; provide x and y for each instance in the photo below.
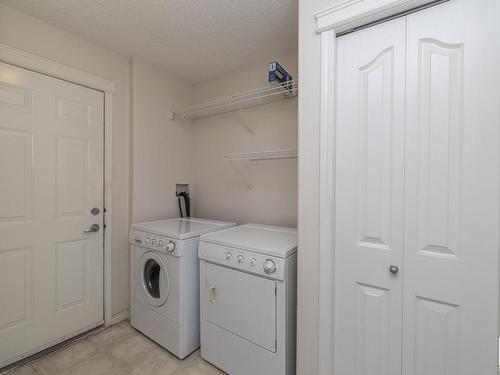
(154, 278)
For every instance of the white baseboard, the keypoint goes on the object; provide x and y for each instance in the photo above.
(119, 317)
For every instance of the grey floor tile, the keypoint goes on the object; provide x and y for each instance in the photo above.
(118, 350)
(66, 358)
(112, 335)
(132, 349)
(98, 365)
(23, 370)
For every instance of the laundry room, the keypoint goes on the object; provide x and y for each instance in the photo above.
(237, 187)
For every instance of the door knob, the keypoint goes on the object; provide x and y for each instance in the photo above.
(393, 269)
(93, 228)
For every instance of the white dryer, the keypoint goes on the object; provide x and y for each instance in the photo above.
(165, 281)
(248, 299)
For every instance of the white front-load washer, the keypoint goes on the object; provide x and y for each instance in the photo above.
(248, 299)
(165, 281)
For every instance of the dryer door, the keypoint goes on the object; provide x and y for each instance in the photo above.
(242, 304)
(154, 276)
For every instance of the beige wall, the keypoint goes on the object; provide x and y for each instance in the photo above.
(29, 34)
(162, 149)
(308, 259)
(218, 191)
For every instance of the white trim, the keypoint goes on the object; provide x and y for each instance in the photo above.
(349, 14)
(327, 197)
(13, 56)
(41, 65)
(119, 317)
(108, 201)
(343, 16)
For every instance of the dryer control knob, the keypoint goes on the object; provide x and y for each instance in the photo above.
(240, 259)
(153, 241)
(148, 239)
(228, 255)
(160, 243)
(253, 262)
(170, 247)
(269, 266)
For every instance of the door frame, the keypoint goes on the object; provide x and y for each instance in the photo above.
(37, 64)
(342, 17)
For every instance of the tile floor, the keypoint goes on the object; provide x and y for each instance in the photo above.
(118, 350)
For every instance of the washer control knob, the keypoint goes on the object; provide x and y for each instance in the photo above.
(253, 262)
(170, 247)
(148, 239)
(228, 255)
(240, 258)
(153, 241)
(160, 243)
(269, 266)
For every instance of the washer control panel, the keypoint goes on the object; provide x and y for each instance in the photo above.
(153, 242)
(259, 264)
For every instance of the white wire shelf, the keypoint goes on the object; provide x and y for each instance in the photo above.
(236, 102)
(289, 153)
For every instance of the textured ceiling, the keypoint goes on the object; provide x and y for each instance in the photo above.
(194, 40)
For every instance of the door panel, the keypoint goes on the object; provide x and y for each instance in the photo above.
(51, 163)
(242, 304)
(369, 199)
(16, 167)
(452, 204)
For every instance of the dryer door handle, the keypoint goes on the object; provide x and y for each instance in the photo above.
(212, 294)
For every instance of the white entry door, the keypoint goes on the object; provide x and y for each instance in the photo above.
(369, 200)
(51, 176)
(451, 258)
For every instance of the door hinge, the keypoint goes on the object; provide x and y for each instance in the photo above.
(104, 226)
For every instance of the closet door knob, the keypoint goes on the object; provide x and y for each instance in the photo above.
(394, 269)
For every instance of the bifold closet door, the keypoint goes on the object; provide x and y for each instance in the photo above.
(451, 251)
(369, 200)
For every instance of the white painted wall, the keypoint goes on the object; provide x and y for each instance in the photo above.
(32, 35)
(218, 191)
(308, 260)
(162, 149)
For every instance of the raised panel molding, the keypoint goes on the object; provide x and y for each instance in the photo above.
(15, 287)
(16, 97)
(373, 331)
(71, 111)
(437, 338)
(440, 140)
(71, 264)
(16, 171)
(375, 164)
(72, 183)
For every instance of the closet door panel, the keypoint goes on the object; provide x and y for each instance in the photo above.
(369, 200)
(451, 213)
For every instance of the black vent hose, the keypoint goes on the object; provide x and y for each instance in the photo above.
(187, 203)
(180, 205)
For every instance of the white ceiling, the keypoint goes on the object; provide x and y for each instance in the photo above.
(193, 39)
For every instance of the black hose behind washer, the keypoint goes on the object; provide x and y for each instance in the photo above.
(187, 204)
